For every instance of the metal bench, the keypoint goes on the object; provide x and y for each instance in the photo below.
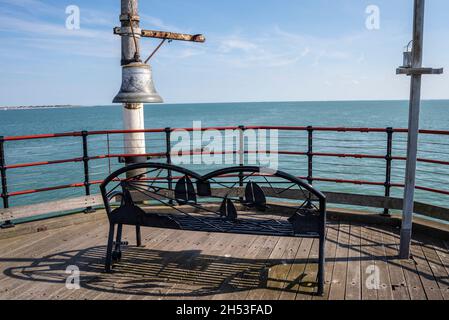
(238, 200)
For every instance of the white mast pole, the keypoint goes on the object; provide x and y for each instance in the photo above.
(412, 148)
(133, 113)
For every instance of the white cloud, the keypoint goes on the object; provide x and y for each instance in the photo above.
(228, 45)
(146, 20)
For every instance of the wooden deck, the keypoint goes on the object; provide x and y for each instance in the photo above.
(190, 265)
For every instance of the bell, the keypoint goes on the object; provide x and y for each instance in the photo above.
(137, 85)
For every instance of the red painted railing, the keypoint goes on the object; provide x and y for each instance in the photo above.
(310, 154)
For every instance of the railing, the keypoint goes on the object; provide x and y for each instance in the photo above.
(312, 150)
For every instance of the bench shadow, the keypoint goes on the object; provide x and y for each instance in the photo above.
(154, 273)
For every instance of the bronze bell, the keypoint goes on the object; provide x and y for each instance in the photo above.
(137, 85)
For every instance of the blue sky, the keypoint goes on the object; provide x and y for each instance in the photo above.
(262, 50)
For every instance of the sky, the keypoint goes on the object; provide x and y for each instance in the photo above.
(256, 50)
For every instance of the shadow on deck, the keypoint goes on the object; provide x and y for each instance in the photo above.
(153, 272)
(271, 270)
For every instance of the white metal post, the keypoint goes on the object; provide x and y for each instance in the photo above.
(133, 113)
(412, 148)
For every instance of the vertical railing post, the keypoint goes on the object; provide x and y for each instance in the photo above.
(309, 161)
(169, 161)
(86, 159)
(3, 173)
(389, 159)
(310, 155)
(241, 152)
(6, 224)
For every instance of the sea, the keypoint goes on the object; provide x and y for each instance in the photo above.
(381, 114)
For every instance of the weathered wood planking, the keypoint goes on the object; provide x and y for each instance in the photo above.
(331, 197)
(367, 257)
(338, 285)
(64, 241)
(309, 280)
(243, 280)
(348, 199)
(398, 284)
(411, 274)
(425, 272)
(438, 269)
(209, 271)
(385, 291)
(331, 250)
(33, 210)
(353, 285)
(70, 204)
(176, 269)
(264, 256)
(277, 274)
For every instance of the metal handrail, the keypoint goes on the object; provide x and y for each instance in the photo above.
(310, 153)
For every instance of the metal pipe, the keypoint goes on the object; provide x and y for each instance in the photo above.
(3, 173)
(168, 155)
(310, 154)
(86, 169)
(241, 153)
(389, 160)
(282, 128)
(412, 147)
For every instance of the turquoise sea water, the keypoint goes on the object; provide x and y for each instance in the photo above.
(435, 115)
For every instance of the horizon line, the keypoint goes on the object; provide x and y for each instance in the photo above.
(61, 106)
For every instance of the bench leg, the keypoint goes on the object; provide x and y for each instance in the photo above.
(321, 266)
(117, 254)
(138, 236)
(108, 262)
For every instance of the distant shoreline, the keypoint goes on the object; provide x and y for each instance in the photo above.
(69, 106)
(57, 106)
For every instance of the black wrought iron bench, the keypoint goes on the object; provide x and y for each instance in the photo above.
(242, 200)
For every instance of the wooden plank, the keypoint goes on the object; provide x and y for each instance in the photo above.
(397, 276)
(442, 252)
(11, 245)
(173, 36)
(138, 268)
(263, 256)
(28, 211)
(439, 271)
(385, 291)
(235, 266)
(414, 284)
(158, 278)
(287, 288)
(332, 231)
(278, 274)
(424, 209)
(353, 277)
(338, 284)
(247, 278)
(367, 262)
(296, 274)
(153, 237)
(208, 270)
(52, 224)
(309, 284)
(42, 254)
(77, 203)
(32, 247)
(277, 251)
(425, 272)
